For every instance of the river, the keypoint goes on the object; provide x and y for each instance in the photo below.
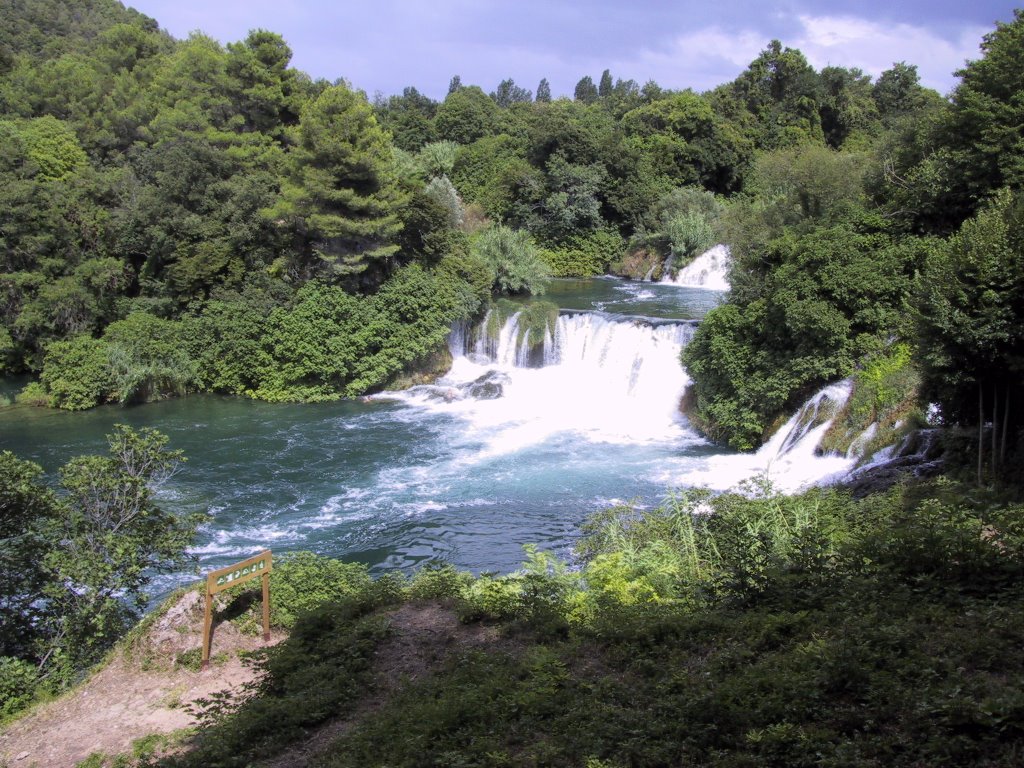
(436, 473)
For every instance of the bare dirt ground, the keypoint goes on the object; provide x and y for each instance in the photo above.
(143, 691)
(140, 692)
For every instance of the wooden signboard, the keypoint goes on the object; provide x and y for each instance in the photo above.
(217, 581)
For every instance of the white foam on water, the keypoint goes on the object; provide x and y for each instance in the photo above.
(419, 508)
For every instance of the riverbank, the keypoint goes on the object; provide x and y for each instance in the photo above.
(808, 630)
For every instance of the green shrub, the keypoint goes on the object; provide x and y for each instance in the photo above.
(489, 597)
(147, 358)
(439, 581)
(304, 581)
(33, 394)
(584, 255)
(18, 681)
(513, 257)
(883, 383)
(76, 372)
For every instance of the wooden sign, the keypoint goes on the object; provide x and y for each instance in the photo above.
(217, 581)
(233, 575)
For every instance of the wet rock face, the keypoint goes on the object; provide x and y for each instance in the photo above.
(920, 455)
(490, 386)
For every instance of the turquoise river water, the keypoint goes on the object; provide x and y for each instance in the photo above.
(457, 471)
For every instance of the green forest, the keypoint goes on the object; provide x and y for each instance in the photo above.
(182, 216)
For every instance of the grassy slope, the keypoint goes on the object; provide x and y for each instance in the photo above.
(881, 632)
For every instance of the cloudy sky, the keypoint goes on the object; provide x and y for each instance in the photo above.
(385, 45)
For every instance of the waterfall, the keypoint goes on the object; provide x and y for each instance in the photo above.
(790, 460)
(610, 379)
(601, 377)
(710, 270)
(799, 437)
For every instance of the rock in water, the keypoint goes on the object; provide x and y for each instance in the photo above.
(490, 386)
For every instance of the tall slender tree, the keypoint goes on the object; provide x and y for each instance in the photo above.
(508, 93)
(543, 91)
(586, 91)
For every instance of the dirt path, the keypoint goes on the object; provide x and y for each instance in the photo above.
(132, 697)
(145, 692)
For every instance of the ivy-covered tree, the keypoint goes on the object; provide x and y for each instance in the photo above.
(466, 115)
(409, 118)
(780, 89)
(508, 93)
(983, 136)
(585, 90)
(543, 91)
(897, 92)
(848, 109)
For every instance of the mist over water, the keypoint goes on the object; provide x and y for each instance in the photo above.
(462, 471)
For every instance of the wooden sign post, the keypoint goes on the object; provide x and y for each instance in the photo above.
(217, 581)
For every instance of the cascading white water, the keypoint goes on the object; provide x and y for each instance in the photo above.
(617, 380)
(789, 459)
(597, 377)
(710, 271)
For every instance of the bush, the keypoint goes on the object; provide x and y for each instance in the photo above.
(33, 394)
(304, 581)
(584, 255)
(147, 358)
(17, 685)
(514, 259)
(76, 373)
(438, 581)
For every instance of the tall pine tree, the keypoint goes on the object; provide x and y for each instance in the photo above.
(343, 194)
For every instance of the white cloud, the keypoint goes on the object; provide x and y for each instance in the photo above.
(853, 42)
(700, 60)
(708, 57)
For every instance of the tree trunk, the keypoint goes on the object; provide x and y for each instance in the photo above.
(1006, 427)
(995, 428)
(981, 427)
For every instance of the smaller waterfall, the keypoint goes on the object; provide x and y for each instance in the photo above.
(790, 458)
(710, 270)
(801, 435)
